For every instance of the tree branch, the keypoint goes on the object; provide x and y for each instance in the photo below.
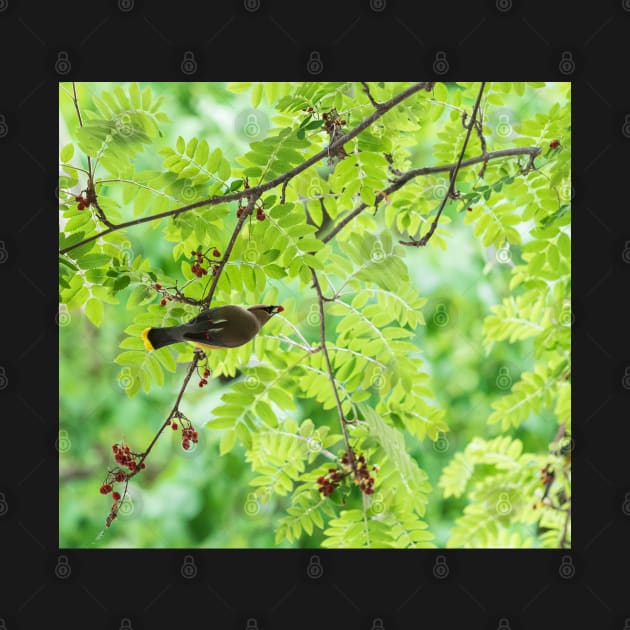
(331, 374)
(174, 411)
(261, 188)
(237, 229)
(90, 192)
(366, 89)
(451, 186)
(404, 178)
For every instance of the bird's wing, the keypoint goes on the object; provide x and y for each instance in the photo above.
(209, 336)
(209, 316)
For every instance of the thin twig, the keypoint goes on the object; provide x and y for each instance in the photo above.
(565, 529)
(331, 374)
(261, 188)
(191, 368)
(237, 229)
(532, 152)
(451, 186)
(366, 89)
(90, 191)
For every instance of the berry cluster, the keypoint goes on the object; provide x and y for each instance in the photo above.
(198, 258)
(329, 482)
(332, 479)
(126, 457)
(166, 297)
(365, 481)
(204, 378)
(547, 477)
(332, 119)
(82, 202)
(260, 210)
(188, 431)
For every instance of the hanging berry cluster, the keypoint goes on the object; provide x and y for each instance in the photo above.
(335, 476)
(547, 477)
(204, 379)
(199, 258)
(260, 209)
(332, 125)
(127, 459)
(188, 431)
(82, 202)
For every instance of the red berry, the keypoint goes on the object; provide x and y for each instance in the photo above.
(260, 215)
(163, 302)
(114, 447)
(185, 444)
(195, 436)
(554, 144)
(80, 206)
(201, 383)
(206, 373)
(106, 488)
(143, 466)
(120, 476)
(216, 253)
(116, 496)
(157, 285)
(174, 426)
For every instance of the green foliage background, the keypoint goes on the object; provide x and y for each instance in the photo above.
(455, 357)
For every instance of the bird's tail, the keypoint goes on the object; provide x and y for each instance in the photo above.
(155, 338)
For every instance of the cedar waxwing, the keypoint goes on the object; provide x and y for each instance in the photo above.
(220, 327)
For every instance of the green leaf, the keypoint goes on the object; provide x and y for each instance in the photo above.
(94, 310)
(257, 92)
(65, 155)
(131, 358)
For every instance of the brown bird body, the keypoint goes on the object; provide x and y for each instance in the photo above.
(226, 326)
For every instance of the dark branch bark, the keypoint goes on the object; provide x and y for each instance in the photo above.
(191, 368)
(451, 186)
(398, 183)
(331, 374)
(281, 179)
(237, 230)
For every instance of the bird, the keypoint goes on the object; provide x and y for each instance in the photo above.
(226, 326)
